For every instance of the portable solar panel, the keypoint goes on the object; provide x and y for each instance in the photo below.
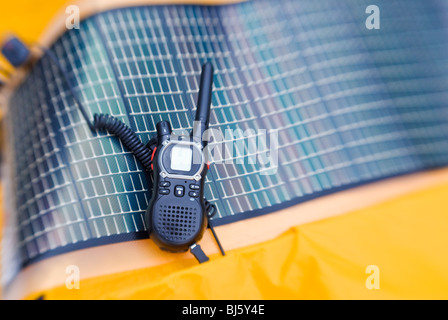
(345, 104)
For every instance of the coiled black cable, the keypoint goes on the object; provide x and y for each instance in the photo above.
(127, 136)
(107, 122)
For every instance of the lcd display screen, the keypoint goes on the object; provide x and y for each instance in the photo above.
(181, 157)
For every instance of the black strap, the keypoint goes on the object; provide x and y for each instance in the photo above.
(196, 250)
(211, 211)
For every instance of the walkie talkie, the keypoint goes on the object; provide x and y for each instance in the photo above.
(177, 211)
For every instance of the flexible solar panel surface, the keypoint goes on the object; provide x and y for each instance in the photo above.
(348, 105)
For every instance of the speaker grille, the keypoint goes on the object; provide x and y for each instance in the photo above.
(177, 223)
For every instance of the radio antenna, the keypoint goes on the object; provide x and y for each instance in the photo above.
(204, 103)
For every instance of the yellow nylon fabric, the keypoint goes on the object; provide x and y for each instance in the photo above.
(27, 19)
(405, 238)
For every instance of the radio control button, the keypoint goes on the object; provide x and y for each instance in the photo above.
(164, 184)
(164, 191)
(193, 194)
(194, 186)
(179, 191)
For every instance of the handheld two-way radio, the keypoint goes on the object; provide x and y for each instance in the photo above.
(177, 214)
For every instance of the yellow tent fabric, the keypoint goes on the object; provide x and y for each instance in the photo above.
(404, 239)
(27, 19)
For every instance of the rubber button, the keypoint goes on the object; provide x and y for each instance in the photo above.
(164, 184)
(193, 194)
(179, 191)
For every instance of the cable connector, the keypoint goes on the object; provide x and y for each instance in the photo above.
(198, 253)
